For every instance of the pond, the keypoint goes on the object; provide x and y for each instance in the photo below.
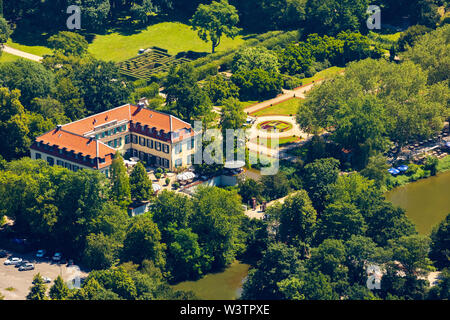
(427, 201)
(225, 285)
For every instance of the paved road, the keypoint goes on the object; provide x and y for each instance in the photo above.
(22, 54)
(287, 94)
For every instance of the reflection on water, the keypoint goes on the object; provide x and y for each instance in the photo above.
(427, 201)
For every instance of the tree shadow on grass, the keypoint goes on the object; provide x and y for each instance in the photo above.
(30, 34)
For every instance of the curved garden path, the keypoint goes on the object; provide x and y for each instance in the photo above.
(287, 94)
(21, 54)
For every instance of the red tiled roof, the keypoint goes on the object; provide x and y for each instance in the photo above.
(88, 124)
(78, 144)
(156, 119)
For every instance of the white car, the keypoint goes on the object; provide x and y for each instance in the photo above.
(26, 267)
(47, 280)
(40, 253)
(12, 261)
(57, 256)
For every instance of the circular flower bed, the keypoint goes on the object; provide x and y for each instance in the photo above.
(275, 126)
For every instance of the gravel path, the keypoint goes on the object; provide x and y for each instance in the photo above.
(21, 54)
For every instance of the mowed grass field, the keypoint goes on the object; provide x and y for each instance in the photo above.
(173, 36)
(288, 107)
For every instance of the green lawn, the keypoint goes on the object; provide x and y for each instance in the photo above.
(324, 74)
(6, 57)
(281, 141)
(288, 107)
(246, 104)
(114, 46)
(173, 36)
(37, 50)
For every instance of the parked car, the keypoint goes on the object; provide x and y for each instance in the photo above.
(70, 263)
(47, 280)
(40, 253)
(26, 267)
(56, 257)
(12, 261)
(3, 254)
(18, 265)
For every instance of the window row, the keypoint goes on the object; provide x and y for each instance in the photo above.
(149, 143)
(116, 143)
(111, 132)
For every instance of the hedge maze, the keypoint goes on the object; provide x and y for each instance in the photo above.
(154, 61)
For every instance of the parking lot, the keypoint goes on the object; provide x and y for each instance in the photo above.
(15, 284)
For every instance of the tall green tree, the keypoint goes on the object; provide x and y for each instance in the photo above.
(13, 125)
(233, 115)
(318, 178)
(100, 84)
(297, 219)
(214, 21)
(38, 290)
(308, 286)
(255, 58)
(59, 289)
(440, 244)
(143, 242)
(120, 182)
(141, 186)
(340, 221)
(5, 30)
(31, 78)
(333, 16)
(94, 13)
(217, 217)
(184, 95)
(279, 261)
(412, 253)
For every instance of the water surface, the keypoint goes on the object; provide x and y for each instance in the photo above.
(427, 201)
(225, 285)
